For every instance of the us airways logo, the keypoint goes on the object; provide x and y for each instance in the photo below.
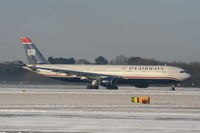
(146, 68)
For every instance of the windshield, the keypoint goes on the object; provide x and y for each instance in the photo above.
(183, 71)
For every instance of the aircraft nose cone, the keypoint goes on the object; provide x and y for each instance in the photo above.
(187, 76)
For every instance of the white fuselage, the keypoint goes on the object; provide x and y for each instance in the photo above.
(124, 71)
(108, 76)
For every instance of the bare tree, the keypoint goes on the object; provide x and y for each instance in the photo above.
(82, 61)
(119, 60)
(101, 60)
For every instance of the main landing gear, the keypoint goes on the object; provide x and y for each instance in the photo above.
(93, 85)
(109, 84)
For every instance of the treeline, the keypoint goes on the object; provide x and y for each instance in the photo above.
(100, 60)
(13, 73)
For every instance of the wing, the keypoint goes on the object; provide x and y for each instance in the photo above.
(88, 75)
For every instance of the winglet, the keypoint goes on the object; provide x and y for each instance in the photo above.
(26, 40)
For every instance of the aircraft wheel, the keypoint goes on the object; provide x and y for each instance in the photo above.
(89, 87)
(92, 87)
(95, 87)
(172, 88)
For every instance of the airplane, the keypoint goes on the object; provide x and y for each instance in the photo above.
(109, 76)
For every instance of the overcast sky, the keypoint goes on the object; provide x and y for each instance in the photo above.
(166, 30)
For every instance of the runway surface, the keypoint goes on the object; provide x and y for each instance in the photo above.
(73, 109)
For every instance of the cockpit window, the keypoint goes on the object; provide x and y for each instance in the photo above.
(183, 71)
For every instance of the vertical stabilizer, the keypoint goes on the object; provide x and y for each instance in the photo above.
(33, 54)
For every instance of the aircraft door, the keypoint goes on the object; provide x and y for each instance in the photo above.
(170, 72)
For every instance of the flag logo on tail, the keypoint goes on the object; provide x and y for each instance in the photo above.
(26, 40)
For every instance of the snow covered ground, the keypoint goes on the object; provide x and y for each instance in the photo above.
(72, 109)
(98, 122)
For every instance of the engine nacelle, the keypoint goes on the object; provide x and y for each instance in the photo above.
(109, 84)
(106, 83)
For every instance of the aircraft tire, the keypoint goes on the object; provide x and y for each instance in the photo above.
(89, 87)
(172, 87)
(95, 87)
(92, 87)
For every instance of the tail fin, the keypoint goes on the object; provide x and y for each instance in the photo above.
(33, 54)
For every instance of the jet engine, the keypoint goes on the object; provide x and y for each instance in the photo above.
(109, 83)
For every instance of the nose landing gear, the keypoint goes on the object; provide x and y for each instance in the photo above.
(172, 87)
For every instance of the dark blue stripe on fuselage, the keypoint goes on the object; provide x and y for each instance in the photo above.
(124, 81)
